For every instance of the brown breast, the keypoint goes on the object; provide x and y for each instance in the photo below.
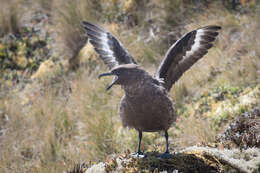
(150, 110)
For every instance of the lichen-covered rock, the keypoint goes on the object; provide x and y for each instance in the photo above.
(245, 131)
(101, 168)
(247, 161)
(191, 159)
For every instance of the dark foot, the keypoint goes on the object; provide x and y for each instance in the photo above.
(138, 155)
(165, 156)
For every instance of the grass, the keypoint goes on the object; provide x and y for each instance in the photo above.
(54, 132)
(233, 61)
(53, 125)
(67, 24)
(10, 17)
(41, 135)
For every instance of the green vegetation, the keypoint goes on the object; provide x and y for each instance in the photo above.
(54, 112)
(21, 56)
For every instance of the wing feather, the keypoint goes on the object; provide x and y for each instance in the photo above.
(186, 52)
(110, 50)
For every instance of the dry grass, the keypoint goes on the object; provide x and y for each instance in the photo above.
(193, 131)
(59, 129)
(235, 59)
(96, 110)
(38, 136)
(67, 20)
(10, 17)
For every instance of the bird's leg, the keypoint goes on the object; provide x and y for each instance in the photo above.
(139, 154)
(166, 155)
(167, 143)
(139, 144)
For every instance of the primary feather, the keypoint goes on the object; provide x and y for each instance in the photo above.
(178, 59)
(107, 46)
(184, 53)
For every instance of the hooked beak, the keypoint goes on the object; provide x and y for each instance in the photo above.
(113, 81)
(105, 74)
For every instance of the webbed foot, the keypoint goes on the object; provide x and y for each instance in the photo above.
(138, 155)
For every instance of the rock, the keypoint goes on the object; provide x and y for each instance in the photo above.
(97, 168)
(245, 131)
(191, 159)
(240, 161)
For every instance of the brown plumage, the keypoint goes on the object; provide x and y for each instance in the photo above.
(146, 105)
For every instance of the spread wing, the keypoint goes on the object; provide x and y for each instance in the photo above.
(107, 46)
(184, 53)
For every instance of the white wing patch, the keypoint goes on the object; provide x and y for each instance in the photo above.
(185, 52)
(197, 45)
(107, 46)
(105, 51)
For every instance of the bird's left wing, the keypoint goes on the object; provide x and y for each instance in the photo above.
(184, 53)
(110, 50)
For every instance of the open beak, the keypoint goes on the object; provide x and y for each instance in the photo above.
(109, 74)
(105, 74)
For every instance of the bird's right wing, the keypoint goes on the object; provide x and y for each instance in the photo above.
(107, 46)
(184, 53)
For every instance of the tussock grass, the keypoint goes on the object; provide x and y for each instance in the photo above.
(193, 131)
(97, 111)
(235, 58)
(58, 129)
(37, 136)
(67, 18)
(10, 17)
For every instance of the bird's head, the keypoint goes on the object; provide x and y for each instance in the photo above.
(126, 74)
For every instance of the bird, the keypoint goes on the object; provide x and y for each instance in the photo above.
(146, 105)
